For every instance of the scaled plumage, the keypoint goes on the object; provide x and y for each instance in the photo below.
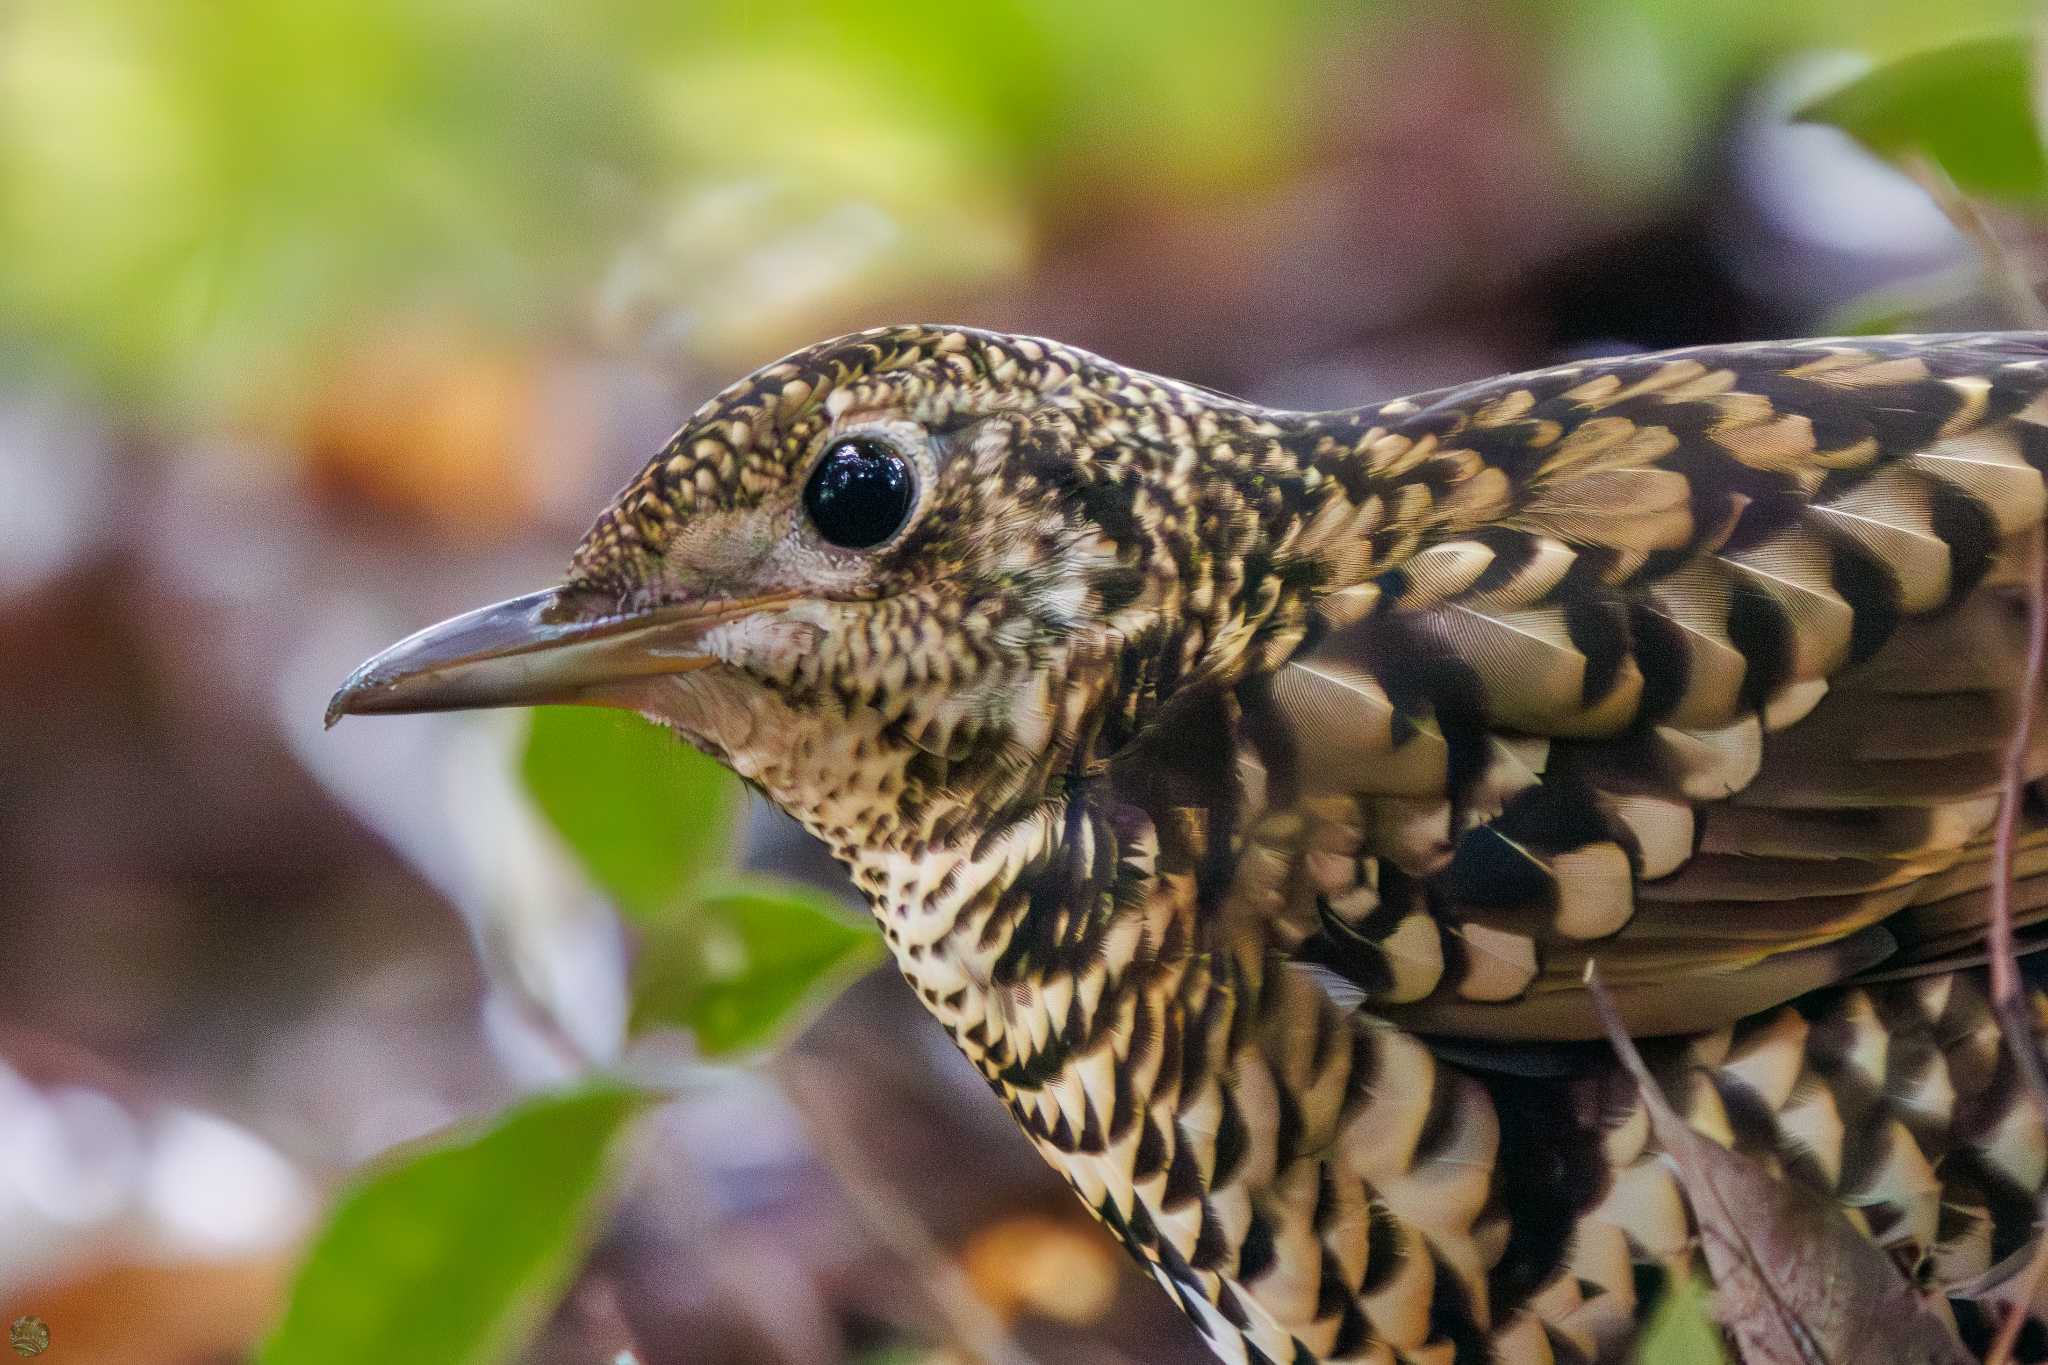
(1245, 792)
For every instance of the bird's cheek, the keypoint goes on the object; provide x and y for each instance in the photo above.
(780, 646)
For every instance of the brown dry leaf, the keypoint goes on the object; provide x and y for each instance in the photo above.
(1058, 1268)
(436, 424)
(1794, 1282)
(181, 1313)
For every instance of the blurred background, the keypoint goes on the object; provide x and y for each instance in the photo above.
(322, 320)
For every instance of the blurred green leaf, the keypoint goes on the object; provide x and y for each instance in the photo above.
(644, 812)
(649, 817)
(201, 204)
(1912, 305)
(1640, 84)
(1188, 96)
(742, 963)
(1968, 107)
(198, 201)
(893, 145)
(452, 1255)
(1682, 1330)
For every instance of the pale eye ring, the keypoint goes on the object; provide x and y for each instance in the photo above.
(860, 493)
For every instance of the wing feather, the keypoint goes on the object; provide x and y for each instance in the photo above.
(1715, 692)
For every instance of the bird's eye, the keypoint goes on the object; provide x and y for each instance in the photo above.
(860, 494)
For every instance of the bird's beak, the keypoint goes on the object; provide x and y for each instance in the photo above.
(552, 646)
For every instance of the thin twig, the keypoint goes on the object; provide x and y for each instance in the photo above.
(536, 1014)
(975, 1327)
(2008, 996)
(2023, 1285)
(2007, 271)
(2006, 993)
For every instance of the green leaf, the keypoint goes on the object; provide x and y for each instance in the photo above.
(742, 964)
(645, 813)
(1682, 1330)
(452, 1255)
(1969, 108)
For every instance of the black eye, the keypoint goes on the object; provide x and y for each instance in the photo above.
(860, 493)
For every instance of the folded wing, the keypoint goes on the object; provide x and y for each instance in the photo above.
(1702, 665)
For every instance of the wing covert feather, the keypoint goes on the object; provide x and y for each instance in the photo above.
(1715, 692)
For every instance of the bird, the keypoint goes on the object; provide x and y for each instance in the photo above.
(1246, 792)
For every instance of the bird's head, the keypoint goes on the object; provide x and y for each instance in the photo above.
(907, 582)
